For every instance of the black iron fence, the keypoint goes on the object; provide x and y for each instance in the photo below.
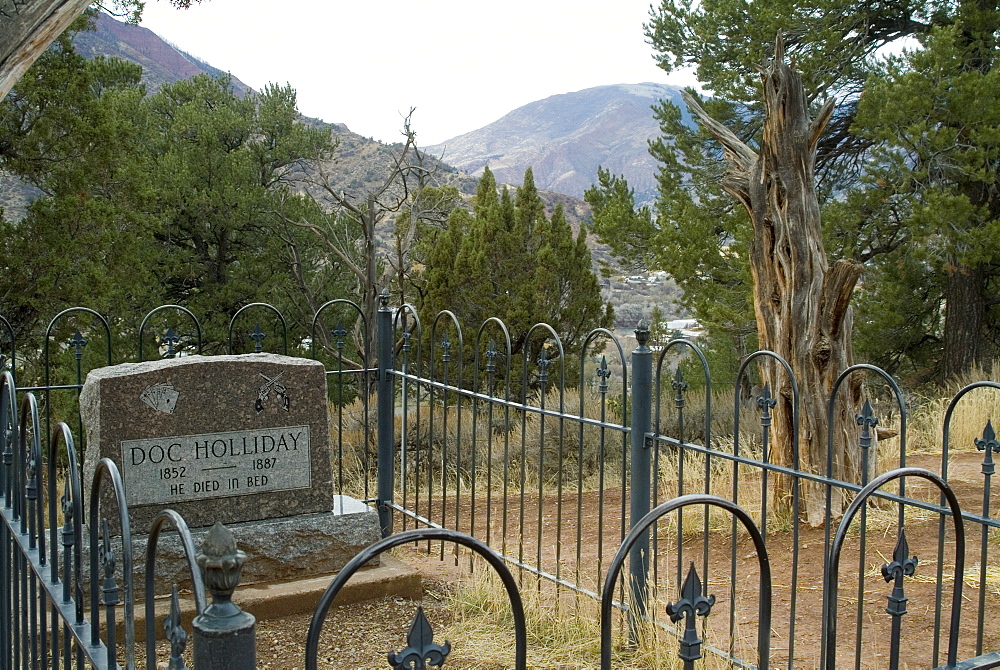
(552, 478)
(487, 446)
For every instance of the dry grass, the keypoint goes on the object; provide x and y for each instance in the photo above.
(968, 420)
(484, 620)
(563, 631)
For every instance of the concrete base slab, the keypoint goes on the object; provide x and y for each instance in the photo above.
(286, 548)
(392, 577)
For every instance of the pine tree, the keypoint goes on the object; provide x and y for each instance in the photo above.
(506, 259)
(906, 167)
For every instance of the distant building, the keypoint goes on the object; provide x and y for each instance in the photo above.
(683, 324)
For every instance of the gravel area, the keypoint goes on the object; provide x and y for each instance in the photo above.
(354, 637)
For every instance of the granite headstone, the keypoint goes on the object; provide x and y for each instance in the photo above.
(217, 438)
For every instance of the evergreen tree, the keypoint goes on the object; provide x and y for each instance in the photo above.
(933, 118)
(176, 198)
(506, 259)
(905, 164)
(74, 130)
(223, 166)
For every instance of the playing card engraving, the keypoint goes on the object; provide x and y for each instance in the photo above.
(161, 397)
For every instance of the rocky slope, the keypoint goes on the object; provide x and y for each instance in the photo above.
(161, 63)
(565, 137)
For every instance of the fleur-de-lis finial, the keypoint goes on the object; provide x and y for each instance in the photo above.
(902, 565)
(602, 375)
(867, 420)
(68, 529)
(989, 440)
(543, 366)
(66, 504)
(692, 603)
(422, 651)
(680, 386)
(766, 402)
(988, 444)
(491, 357)
(108, 561)
(109, 586)
(171, 340)
(31, 485)
(257, 336)
(340, 333)
(78, 342)
(175, 634)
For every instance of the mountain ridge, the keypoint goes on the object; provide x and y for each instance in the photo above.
(161, 61)
(564, 138)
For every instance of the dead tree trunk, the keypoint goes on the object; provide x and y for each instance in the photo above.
(802, 304)
(27, 28)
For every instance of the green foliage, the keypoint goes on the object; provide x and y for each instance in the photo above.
(907, 165)
(223, 167)
(506, 259)
(71, 128)
(698, 233)
(180, 197)
(935, 121)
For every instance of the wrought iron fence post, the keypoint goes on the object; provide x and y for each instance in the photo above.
(640, 470)
(225, 637)
(385, 426)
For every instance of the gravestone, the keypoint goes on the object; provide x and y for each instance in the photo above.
(239, 439)
(217, 438)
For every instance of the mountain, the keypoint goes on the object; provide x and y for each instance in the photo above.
(161, 62)
(360, 164)
(563, 138)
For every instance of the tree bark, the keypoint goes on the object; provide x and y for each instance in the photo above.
(966, 305)
(27, 28)
(802, 305)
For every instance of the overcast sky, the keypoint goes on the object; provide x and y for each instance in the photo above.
(461, 63)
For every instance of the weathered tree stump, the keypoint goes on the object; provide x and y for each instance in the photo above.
(802, 303)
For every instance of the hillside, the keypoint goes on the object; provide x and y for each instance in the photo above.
(161, 62)
(565, 137)
(608, 126)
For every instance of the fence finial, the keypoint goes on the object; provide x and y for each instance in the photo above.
(642, 333)
(224, 635)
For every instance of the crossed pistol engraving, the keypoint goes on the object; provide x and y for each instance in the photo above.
(265, 391)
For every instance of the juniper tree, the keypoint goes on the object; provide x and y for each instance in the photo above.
(507, 259)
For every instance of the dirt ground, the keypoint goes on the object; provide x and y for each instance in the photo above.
(360, 636)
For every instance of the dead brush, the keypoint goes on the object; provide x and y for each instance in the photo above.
(722, 424)
(353, 447)
(492, 444)
(968, 419)
(563, 630)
